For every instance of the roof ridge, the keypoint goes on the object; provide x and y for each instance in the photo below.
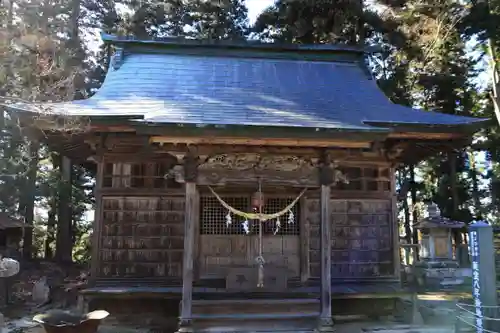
(252, 44)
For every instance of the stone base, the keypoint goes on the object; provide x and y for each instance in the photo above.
(437, 274)
(185, 329)
(325, 325)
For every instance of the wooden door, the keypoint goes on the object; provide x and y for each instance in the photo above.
(223, 247)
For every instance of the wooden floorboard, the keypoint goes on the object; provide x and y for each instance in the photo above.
(348, 290)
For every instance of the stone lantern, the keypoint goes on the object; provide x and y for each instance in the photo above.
(437, 265)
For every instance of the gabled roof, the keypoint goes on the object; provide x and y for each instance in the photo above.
(7, 222)
(190, 82)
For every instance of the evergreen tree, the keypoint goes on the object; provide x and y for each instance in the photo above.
(312, 22)
(426, 65)
(225, 19)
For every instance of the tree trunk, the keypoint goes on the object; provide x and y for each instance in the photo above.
(476, 196)
(49, 238)
(8, 74)
(452, 157)
(30, 198)
(494, 70)
(406, 209)
(64, 221)
(414, 201)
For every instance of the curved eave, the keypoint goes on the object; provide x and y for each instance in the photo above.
(269, 131)
(467, 126)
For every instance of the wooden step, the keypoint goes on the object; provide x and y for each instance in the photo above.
(246, 325)
(256, 315)
(255, 306)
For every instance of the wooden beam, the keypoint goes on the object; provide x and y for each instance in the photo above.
(425, 135)
(259, 141)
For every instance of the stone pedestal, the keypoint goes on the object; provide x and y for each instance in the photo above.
(325, 325)
(437, 274)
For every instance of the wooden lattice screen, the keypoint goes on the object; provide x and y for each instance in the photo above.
(213, 216)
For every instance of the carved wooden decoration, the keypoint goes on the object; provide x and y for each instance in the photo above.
(142, 237)
(248, 168)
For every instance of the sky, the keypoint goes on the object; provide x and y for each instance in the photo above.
(255, 7)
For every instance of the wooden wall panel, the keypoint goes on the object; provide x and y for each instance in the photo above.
(362, 238)
(142, 237)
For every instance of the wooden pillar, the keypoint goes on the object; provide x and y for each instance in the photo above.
(64, 243)
(395, 226)
(190, 176)
(97, 225)
(326, 179)
(305, 231)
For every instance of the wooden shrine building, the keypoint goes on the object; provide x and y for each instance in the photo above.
(228, 173)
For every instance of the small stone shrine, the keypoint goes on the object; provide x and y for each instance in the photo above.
(437, 266)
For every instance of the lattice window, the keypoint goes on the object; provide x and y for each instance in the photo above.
(366, 179)
(274, 205)
(138, 175)
(213, 217)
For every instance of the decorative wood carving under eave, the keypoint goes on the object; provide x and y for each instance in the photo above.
(226, 169)
(258, 163)
(394, 150)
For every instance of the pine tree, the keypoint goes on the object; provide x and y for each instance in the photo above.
(226, 19)
(312, 22)
(427, 66)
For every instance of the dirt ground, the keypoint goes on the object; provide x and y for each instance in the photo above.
(64, 284)
(438, 310)
(438, 313)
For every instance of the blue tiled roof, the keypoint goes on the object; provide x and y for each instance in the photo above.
(219, 90)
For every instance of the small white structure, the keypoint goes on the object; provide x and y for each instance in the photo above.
(41, 291)
(8, 267)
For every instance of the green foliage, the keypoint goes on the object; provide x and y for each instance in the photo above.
(311, 22)
(426, 62)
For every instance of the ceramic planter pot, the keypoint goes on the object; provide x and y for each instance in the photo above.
(58, 321)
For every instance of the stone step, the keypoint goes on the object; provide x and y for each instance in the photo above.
(408, 329)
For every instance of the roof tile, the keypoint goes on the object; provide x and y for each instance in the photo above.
(172, 88)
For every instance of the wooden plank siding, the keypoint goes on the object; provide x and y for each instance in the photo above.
(139, 230)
